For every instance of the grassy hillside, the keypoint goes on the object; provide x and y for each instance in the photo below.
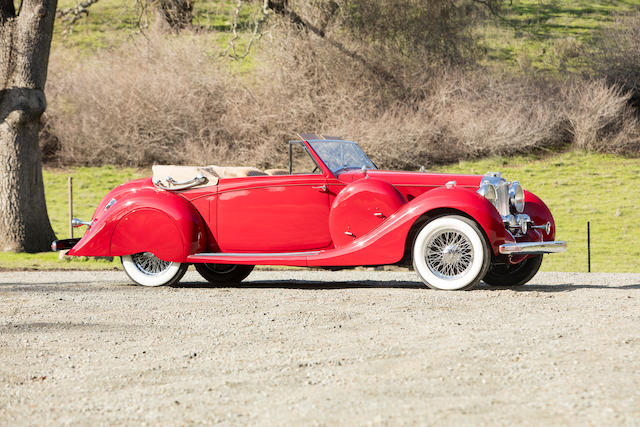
(550, 35)
(110, 22)
(577, 187)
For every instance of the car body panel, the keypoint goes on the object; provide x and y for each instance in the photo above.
(142, 219)
(278, 213)
(360, 207)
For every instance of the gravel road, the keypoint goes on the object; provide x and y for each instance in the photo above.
(314, 347)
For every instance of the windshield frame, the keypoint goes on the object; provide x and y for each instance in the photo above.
(313, 143)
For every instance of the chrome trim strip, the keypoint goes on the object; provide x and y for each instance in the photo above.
(263, 254)
(532, 248)
(239, 188)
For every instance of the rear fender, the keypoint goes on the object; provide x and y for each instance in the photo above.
(144, 220)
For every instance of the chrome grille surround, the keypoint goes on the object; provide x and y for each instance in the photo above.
(513, 221)
(501, 186)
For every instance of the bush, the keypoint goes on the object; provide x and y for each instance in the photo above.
(602, 119)
(168, 101)
(144, 103)
(617, 55)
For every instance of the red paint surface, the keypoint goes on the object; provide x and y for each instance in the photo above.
(273, 214)
(360, 207)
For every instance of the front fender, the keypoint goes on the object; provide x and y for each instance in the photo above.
(471, 204)
(144, 219)
(539, 213)
(386, 243)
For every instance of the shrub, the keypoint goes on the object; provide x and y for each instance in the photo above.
(168, 101)
(617, 55)
(603, 120)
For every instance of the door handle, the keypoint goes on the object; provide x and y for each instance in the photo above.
(322, 188)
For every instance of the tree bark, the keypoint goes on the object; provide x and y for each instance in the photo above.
(173, 15)
(25, 41)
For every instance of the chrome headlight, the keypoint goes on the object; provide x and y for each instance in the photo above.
(489, 192)
(516, 196)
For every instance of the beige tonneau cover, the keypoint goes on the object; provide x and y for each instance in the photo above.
(168, 176)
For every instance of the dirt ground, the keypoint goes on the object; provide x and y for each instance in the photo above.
(314, 347)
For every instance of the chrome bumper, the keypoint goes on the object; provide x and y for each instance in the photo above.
(532, 248)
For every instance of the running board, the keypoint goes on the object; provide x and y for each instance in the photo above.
(263, 258)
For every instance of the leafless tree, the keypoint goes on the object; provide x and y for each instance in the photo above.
(25, 40)
(175, 15)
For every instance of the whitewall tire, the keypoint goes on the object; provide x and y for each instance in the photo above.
(451, 253)
(148, 270)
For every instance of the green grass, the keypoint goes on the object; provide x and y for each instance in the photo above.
(51, 261)
(111, 22)
(90, 185)
(580, 187)
(531, 35)
(548, 35)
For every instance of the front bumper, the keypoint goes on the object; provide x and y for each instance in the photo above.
(526, 248)
(61, 245)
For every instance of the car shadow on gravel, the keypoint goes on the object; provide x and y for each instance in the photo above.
(307, 284)
(396, 284)
(565, 287)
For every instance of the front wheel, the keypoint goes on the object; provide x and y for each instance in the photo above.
(146, 269)
(217, 274)
(512, 275)
(451, 253)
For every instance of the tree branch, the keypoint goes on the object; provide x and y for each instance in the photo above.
(255, 35)
(283, 8)
(72, 14)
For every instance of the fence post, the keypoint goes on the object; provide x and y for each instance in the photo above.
(588, 247)
(70, 188)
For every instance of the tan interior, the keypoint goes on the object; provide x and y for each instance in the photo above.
(212, 173)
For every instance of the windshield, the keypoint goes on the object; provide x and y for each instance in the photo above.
(340, 155)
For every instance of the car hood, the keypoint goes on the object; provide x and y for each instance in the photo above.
(414, 178)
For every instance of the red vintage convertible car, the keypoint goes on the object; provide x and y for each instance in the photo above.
(332, 208)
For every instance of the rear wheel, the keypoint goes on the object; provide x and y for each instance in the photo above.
(511, 275)
(451, 253)
(224, 273)
(146, 269)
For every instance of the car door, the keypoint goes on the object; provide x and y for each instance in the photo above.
(274, 214)
(280, 213)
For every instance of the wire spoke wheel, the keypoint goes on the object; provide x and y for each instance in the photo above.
(146, 269)
(149, 263)
(449, 254)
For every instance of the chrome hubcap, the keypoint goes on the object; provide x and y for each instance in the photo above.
(149, 264)
(449, 254)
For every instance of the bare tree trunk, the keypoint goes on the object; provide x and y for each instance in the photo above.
(173, 15)
(25, 40)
